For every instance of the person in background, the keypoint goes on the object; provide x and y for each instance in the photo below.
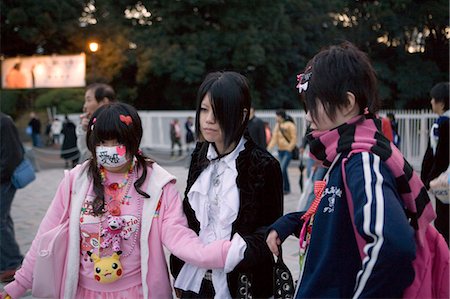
(35, 125)
(175, 137)
(234, 187)
(268, 132)
(10, 157)
(314, 171)
(284, 136)
(386, 128)
(69, 150)
(394, 126)
(256, 129)
(129, 208)
(190, 137)
(356, 231)
(96, 95)
(56, 129)
(48, 134)
(436, 158)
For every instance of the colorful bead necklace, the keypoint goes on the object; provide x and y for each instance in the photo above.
(115, 186)
(114, 191)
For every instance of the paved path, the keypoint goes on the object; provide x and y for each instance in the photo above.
(30, 204)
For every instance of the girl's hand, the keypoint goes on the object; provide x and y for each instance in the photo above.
(273, 242)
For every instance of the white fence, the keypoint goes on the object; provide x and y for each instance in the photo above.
(413, 126)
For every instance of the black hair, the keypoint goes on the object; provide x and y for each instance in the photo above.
(230, 95)
(440, 93)
(106, 124)
(281, 113)
(337, 70)
(101, 91)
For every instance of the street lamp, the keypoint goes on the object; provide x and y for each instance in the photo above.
(93, 47)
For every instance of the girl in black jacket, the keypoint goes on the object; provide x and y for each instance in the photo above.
(234, 190)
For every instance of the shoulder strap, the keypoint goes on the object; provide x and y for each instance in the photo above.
(282, 133)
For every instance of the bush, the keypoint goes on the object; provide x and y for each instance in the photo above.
(66, 100)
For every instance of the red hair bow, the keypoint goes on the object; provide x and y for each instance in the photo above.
(126, 119)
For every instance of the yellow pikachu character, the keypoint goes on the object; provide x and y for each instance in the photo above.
(107, 269)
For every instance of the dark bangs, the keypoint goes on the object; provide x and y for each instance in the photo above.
(106, 124)
(230, 95)
(336, 71)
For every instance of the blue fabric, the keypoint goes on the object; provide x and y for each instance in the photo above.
(10, 257)
(285, 158)
(37, 142)
(333, 260)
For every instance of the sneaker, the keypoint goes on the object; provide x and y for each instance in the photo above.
(7, 276)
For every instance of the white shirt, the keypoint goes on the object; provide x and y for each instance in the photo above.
(215, 199)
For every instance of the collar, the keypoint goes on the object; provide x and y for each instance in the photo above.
(229, 159)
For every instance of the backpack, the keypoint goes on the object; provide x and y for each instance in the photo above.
(431, 265)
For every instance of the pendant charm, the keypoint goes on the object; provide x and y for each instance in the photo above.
(114, 207)
(107, 269)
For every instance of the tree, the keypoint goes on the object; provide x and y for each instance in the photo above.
(157, 53)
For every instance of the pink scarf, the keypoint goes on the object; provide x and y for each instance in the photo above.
(363, 134)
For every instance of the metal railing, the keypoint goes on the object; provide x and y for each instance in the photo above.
(413, 127)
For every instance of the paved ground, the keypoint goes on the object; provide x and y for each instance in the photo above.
(30, 203)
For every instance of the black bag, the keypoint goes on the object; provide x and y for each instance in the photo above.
(295, 153)
(283, 284)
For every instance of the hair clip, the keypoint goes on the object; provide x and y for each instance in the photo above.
(126, 119)
(93, 122)
(366, 111)
(303, 80)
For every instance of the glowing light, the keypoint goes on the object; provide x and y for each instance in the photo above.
(93, 47)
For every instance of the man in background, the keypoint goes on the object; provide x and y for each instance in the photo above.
(96, 95)
(436, 159)
(35, 125)
(256, 129)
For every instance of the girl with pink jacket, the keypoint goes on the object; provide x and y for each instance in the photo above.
(119, 208)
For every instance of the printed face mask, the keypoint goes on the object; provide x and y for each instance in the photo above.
(111, 156)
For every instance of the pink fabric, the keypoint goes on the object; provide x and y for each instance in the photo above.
(431, 267)
(133, 292)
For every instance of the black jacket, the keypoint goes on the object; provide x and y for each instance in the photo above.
(11, 150)
(257, 131)
(435, 164)
(260, 187)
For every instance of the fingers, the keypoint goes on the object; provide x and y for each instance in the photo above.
(273, 241)
(84, 121)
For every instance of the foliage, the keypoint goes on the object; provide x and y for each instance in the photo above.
(156, 53)
(8, 101)
(69, 100)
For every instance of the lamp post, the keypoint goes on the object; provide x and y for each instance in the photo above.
(93, 47)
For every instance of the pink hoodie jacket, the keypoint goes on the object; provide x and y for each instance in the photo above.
(169, 229)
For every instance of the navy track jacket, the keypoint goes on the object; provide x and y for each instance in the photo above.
(376, 262)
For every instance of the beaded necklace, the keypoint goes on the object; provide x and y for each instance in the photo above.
(114, 190)
(109, 269)
(115, 186)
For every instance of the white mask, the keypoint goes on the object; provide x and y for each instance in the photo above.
(111, 156)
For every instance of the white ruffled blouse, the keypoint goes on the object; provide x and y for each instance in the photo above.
(214, 197)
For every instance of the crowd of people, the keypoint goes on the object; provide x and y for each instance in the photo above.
(367, 214)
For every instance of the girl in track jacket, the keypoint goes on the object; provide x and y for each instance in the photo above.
(357, 240)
